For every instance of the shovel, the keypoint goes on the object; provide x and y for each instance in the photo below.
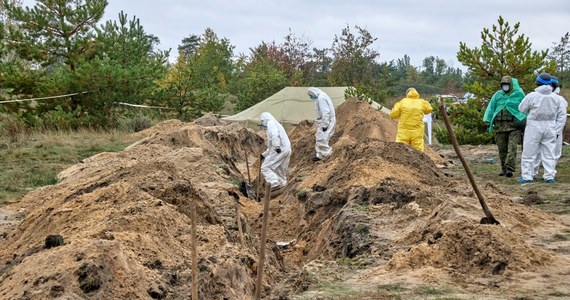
(489, 218)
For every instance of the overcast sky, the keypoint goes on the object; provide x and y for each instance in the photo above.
(416, 28)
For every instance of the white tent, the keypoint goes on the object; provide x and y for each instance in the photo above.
(290, 106)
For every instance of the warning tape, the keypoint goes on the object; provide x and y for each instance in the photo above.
(68, 95)
(143, 106)
(42, 98)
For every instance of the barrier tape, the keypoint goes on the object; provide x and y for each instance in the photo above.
(42, 98)
(140, 105)
(68, 95)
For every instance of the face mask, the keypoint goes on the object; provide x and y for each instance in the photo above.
(313, 97)
(506, 87)
(262, 127)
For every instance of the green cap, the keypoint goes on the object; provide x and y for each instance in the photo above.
(506, 79)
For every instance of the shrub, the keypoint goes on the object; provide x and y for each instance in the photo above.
(467, 123)
(60, 119)
(12, 126)
(135, 124)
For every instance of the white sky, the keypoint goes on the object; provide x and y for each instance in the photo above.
(416, 28)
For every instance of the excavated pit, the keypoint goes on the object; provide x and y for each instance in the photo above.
(125, 217)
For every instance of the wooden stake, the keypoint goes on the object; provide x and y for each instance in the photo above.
(261, 261)
(258, 180)
(238, 217)
(194, 256)
(247, 165)
(489, 219)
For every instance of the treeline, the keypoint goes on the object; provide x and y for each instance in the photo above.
(61, 47)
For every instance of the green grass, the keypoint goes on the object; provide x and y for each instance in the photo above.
(356, 262)
(432, 290)
(301, 194)
(564, 236)
(392, 288)
(360, 208)
(556, 196)
(35, 160)
(336, 289)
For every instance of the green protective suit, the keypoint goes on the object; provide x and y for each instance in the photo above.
(503, 116)
(411, 111)
(502, 100)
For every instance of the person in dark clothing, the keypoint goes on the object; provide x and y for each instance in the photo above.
(502, 115)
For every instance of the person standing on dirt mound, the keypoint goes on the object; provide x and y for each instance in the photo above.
(326, 121)
(410, 111)
(546, 118)
(503, 116)
(276, 157)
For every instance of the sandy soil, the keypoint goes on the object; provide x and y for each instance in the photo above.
(125, 221)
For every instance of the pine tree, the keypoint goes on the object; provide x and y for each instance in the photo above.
(561, 55)
(503, 52)
(54, 31)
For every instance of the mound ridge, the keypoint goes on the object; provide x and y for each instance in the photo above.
(125, 217)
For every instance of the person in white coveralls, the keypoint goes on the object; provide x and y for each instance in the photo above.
(326, 121)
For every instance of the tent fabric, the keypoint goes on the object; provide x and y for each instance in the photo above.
(289, 106)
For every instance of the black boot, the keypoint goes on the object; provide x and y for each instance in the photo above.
(502, 173)
(509, 173)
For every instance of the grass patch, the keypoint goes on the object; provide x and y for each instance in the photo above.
(301, 194)
(556, 196)
(357, 262)
(362, 229)
(432, 290)
(392, 288)
(565, 236)
(336, 289)
(35, 160)
(360, 208)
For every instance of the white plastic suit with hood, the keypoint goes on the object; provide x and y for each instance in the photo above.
(326, 121)
(278, 153)
(545, 120)
(559, 139)
(560, 128)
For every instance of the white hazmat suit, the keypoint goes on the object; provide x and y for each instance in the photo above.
(559, 140)
(326, 121)
(545, 120)
(278, 153)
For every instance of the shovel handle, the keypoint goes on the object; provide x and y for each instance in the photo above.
(489, 216)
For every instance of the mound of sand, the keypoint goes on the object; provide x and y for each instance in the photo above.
(125, 221)
(383, 201)
(125, 217)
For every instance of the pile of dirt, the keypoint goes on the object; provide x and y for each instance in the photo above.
(164, 126)
(210, 119)
(125, 221)
(382, 201)
(125, 217)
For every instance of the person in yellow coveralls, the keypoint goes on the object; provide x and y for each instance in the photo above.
(410, 111)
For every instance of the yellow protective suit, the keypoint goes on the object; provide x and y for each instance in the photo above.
(411, 111)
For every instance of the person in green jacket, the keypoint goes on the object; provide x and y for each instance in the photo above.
(503, 116)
